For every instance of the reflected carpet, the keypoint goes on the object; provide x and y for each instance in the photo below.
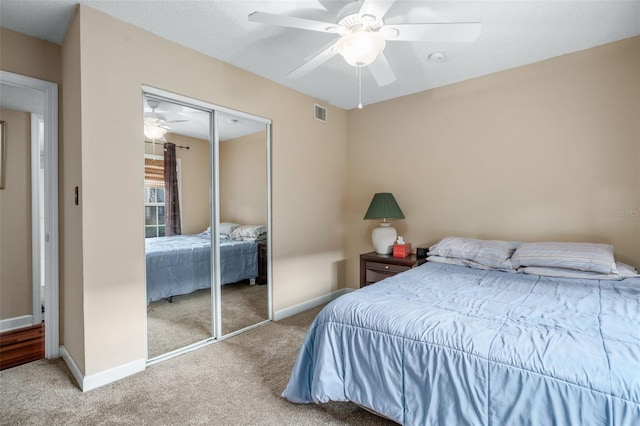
(187, 319)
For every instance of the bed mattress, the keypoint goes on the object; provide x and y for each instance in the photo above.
(445, 344)
(182, 264)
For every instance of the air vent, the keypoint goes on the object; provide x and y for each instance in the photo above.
(320, 113)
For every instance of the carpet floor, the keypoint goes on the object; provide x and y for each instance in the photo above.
(237, 381)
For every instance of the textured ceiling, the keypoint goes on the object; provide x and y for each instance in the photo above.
(514, 33)
(21, 99)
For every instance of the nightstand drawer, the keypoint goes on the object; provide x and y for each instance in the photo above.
(373, 276)
(386, 268)
(375, 267)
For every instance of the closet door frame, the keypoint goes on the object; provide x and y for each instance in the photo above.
(214, 143)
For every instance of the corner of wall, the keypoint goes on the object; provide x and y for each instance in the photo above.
(70, 215)
(94, 381)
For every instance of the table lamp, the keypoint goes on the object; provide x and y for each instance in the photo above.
(384, 206)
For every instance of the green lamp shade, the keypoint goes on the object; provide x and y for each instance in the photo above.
(384, 206)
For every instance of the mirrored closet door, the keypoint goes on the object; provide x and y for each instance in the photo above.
(207, 216)
(176, 228)
(242, 231)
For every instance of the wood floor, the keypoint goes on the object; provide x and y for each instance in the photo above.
(21, 346)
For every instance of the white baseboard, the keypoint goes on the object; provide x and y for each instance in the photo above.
(301, 307)
(94, 381)
(15, 323)
(73, 367)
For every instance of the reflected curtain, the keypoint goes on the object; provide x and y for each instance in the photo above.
(172, 203)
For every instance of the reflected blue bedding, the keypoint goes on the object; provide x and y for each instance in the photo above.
(444, 344)
(182, 264)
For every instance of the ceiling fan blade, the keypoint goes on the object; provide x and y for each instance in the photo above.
(293, 22)
(176, 121)
(377, 8)
(445, 31)
(314, 62)
(381, 71)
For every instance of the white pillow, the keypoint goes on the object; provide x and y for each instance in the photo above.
(459, 262)
(493, 254)
(248, 231)
(624, 271)
(589, 257)
(226, 228)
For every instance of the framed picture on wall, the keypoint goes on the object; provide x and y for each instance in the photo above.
(2, 154)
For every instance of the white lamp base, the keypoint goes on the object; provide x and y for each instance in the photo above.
(383, 238)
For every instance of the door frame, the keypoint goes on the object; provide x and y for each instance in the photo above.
(49, 92)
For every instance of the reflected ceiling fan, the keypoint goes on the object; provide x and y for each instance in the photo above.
(363, 36)
(156, 124)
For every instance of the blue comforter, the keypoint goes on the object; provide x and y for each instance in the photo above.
(182, 264)
(450, 345)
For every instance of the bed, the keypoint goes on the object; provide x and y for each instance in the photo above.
(452, 344)
(182, 264)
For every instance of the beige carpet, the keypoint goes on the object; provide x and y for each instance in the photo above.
(237, 381)
(187, 319)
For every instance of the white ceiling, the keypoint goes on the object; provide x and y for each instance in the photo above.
(21, 99)
(514, 33)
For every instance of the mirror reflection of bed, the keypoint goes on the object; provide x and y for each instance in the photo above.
(178, 266)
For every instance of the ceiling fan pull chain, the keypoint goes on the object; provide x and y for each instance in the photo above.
(359, 71)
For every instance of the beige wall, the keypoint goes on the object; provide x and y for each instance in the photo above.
(243, 180)
(29, 56)
(71, 219)
(194, 163)
(15, 218)
(195, 183)
(541, 152)
(309, 175)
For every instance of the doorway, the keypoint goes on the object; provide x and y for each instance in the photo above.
(35, 102)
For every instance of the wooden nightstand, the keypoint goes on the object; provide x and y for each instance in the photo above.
(262, 263)
(375, 267)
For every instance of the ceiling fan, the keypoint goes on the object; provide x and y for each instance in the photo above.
(156, 124)
(363, 36)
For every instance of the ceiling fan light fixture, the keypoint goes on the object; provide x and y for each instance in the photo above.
(360, 48)
(389, 32)
(367, 19)
(153, 131)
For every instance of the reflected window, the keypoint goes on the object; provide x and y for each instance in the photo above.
(153, 212)
(154, 196)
